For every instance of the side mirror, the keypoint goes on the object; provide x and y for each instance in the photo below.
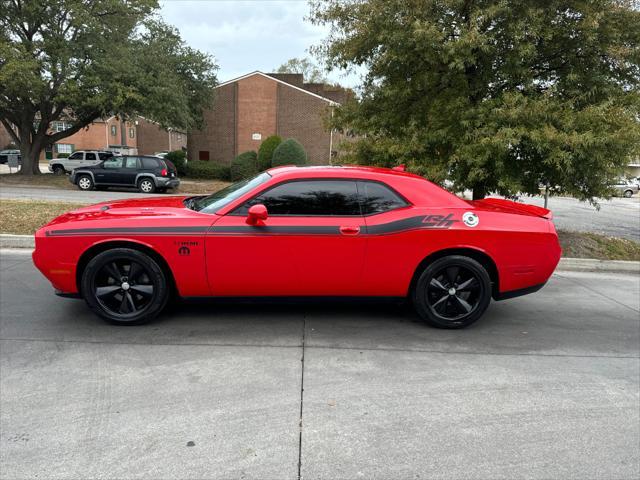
(257, 215)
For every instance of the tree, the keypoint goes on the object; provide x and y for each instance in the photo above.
(265, 152)
(311, 72)
(79, 61)
(289, 152)
(497, 96)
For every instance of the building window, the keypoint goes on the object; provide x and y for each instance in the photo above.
(60, 126)
(132, 133)
(203, 155)
(114, 130)
(179, 137)
(64, 148)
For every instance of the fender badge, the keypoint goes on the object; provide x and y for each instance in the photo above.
(470, 219)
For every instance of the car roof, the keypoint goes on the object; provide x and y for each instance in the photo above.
(338, 170)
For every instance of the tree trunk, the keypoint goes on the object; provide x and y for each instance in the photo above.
(479, 192)
(30, 154)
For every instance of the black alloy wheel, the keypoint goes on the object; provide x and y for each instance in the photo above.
(124, 286)
(452, 292)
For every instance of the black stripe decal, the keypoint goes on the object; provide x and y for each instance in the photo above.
(429, 222)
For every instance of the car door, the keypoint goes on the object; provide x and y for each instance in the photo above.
(108, 171)
(129, 171)
(75, 160)
(311, 244)
(90, 159)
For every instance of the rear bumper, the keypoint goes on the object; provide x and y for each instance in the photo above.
(167, 182)
(518, 293)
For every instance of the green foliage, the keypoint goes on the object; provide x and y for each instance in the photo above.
(244, 166)
(80, 61)
(497, 96)
(289, 152)
(178, 158)
(207, 170)
(265, 152)
(62, 155)
(310, 71)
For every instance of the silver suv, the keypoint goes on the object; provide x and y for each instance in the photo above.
(81, 158)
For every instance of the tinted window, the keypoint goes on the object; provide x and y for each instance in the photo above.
(150, 162)
(310, 197)
(105, 155)
(377, 198)
(115, 162)
(90, 156)
(214, 202)
(131, 162)
(76, 156)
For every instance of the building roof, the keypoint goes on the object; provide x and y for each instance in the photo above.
(257, 72)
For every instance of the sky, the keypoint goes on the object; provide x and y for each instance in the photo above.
(248, 35)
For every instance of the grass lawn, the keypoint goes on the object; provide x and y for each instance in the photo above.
(187, 186)
(24, 217)
(593, 245)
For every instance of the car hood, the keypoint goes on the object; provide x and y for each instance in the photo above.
(129, 209)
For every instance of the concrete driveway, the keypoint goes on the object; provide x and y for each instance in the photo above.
(545, 386)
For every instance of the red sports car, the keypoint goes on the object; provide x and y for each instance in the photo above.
(302, 232)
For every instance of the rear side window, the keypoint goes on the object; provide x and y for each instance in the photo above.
(90, 156)
(150, 163)
(131, 162)
(105, 155)
(378, 198)
(309, 198)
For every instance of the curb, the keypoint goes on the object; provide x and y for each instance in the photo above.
(566, 264)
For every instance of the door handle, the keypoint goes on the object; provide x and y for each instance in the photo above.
(350, 230)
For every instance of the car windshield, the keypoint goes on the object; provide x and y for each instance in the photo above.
(214, 202)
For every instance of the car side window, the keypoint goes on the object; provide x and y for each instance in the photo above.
(76, 156)
(90, 156)
(149, 163)
(378, 198)
(114, 162)
(105, 155)
(309, 198)
(131, 162)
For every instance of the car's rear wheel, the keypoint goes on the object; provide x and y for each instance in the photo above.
(85, 182)
(58, 170)
(628, 193)
(124, 286)
(146, 185)
(452, 292)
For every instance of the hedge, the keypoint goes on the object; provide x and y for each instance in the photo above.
(244, 166)
(265, 152)
(207, 170)
(289, 152)
(178, 158)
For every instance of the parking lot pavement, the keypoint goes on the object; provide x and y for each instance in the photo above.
(544, 386)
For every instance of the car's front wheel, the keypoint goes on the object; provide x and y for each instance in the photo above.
(124, 286)
(628, 193)
(85, 182)
(146, 185)
(452, 292)
(58, 170)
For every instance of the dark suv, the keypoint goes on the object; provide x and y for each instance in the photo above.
(147, 174)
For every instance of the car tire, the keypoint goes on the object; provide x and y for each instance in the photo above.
(146, 185)
(59, 170)
(452, 292)
(85, 182)
(628, 193)
(136, 297)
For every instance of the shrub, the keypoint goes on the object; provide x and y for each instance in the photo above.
(289, 152)
(62, 155)
(207, 170)
(178, 158)
(244, 166)
(265, 152)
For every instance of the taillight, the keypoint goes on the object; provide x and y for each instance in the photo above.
(163, 172)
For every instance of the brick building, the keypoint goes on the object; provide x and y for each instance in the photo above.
(141, 136)
(250, 108)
